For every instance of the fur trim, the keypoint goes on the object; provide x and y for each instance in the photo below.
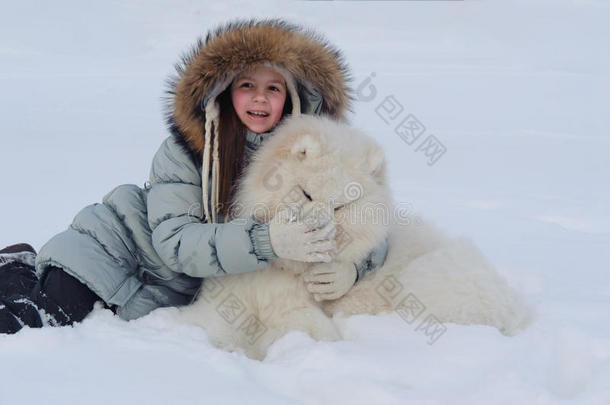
(311, 60)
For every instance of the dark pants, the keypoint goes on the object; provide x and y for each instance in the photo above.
(62, 298)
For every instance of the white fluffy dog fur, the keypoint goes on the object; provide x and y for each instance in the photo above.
(343, 171)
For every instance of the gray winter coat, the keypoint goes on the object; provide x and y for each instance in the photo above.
(144, 248)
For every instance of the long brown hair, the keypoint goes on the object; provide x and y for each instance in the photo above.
(232, 140)
(232, 143)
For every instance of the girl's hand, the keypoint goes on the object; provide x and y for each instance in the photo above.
(330, 281)
(304, 241)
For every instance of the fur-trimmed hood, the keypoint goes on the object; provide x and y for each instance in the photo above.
(317, 67)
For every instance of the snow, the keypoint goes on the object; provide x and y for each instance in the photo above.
(517, 93)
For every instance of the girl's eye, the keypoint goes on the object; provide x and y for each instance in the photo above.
(273, 88)
(338, 207)
(246, 84)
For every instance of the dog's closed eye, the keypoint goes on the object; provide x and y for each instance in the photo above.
(306, 194)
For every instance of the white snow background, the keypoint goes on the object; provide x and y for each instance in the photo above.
(517, 92)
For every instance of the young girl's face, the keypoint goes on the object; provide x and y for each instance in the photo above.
(258, 97)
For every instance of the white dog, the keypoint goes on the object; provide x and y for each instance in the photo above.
(343, 172)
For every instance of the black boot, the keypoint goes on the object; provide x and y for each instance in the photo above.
(17, 279)
(61, 297)
(17, 274)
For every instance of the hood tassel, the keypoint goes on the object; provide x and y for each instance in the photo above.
(215, 173)
(211, 128)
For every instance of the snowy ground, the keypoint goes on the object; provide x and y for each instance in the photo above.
(517, 93)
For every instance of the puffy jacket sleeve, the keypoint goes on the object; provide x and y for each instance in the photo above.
(182, 241)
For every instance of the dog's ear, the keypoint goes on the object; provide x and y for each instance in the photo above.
(375, 163)
(306, 147)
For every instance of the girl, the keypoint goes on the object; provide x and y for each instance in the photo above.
(145, 248)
